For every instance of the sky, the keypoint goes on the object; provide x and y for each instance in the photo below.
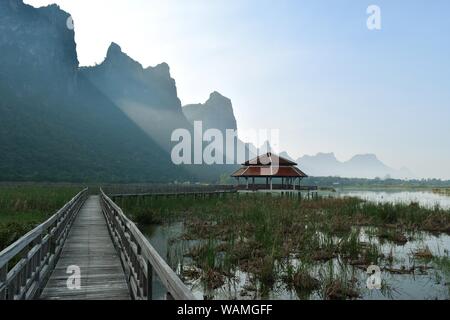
(310, 68)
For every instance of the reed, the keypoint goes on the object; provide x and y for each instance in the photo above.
(24, 207)
(281, 239)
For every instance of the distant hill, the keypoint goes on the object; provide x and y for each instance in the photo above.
(285, 155)
(216, 112)
(359, 166)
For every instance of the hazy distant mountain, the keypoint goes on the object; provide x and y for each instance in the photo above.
(360, 166)
(216, 113)
(323, 164)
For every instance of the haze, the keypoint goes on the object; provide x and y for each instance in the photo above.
(310, 68)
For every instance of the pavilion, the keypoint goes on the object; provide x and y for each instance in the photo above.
(269, 167)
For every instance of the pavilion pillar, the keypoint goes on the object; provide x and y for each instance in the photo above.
(271, 184)
(246, 179)
(293, 183)
(253, 182)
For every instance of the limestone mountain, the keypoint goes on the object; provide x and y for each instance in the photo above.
(38, 51)
(148, 96)
(215, 113)
(55, 125)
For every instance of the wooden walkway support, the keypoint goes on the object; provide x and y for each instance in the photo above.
(90, 251)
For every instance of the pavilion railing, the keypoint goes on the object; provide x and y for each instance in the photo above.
(27, 263)
(276, 187)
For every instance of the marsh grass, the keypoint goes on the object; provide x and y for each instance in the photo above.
(24, 207)
(282, 239)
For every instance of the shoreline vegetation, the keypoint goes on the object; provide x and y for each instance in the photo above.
(326, 182)
(311, 247)
(315, 249)
(22, 208)
(443, 191)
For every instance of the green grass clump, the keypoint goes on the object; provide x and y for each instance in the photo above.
(24, 207)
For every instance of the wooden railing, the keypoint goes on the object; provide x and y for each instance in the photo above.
(27, 263)
(163, 189)
(139, 258)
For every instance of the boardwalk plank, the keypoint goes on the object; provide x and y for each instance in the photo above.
(89, 246)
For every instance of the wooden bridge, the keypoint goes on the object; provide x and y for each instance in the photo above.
(88, 250)
(201, 190)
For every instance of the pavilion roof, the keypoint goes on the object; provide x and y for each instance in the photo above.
(269, 171)
(269, 159)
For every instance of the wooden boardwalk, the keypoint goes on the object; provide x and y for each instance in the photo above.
(89, 246)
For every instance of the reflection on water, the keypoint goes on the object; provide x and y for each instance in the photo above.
(428, 279)
(159, 237)
(426, 199)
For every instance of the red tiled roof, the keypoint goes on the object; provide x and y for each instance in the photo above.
(269, 171)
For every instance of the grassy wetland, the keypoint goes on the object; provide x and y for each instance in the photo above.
(24, 207)
(260, 246)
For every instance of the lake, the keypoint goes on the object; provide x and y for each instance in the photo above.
(429, 279)
(426, 199)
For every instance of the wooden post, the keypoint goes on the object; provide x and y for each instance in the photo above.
(169, 296)
(3, 276)
(149, 281)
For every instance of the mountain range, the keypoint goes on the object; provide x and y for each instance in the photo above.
(111, 122)
(59, 122)
(359, 166)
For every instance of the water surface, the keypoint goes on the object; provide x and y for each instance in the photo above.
(427, 199)
(432, 283)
